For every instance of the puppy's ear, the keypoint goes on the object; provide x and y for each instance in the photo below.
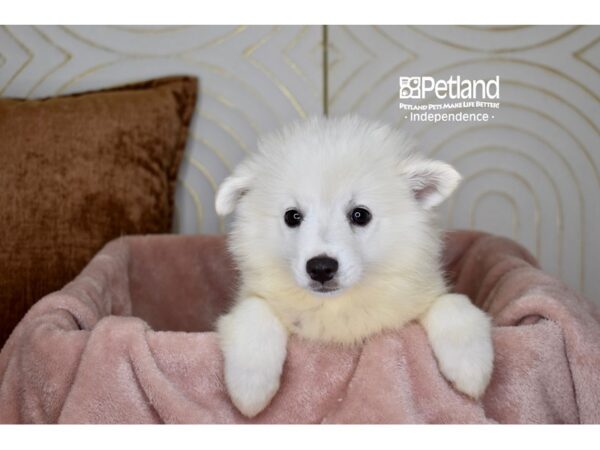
(232, 189)
(431, 182)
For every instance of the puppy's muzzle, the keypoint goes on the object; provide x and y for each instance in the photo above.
(322, 268)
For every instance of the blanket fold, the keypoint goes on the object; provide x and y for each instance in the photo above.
(130, 341)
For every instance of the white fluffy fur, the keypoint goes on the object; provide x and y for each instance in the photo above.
(459, 334)
(254, 344)
(389, 271)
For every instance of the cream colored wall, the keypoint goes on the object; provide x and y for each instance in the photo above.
(532, 174)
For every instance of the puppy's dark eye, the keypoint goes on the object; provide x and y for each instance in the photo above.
(360, 216)
(292, 218)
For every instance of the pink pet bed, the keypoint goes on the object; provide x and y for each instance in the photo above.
(129, 340)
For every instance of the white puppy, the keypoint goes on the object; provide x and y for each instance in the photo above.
(334, 241)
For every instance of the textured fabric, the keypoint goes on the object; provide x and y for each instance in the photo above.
(78, 356)
(80, 170)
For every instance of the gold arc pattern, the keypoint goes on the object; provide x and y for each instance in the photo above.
(554, 150)
(579, 55)
(67, 58)
(510, 174)
(23, 65)
(411, 58)
(249, 52)
(559, 203)
(483, 195)
(454, 45)
(290, 62)
(197, 204)
(213, 42)
(332, 99)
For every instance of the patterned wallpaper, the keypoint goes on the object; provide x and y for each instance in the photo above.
(532, 174)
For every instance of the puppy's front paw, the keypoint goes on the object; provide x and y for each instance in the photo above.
(466, 359)
(253, 342)
(460, 336)
(251, 388)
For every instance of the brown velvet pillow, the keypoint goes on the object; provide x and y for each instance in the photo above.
(77, 171)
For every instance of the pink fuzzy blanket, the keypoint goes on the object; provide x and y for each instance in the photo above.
(90, 353)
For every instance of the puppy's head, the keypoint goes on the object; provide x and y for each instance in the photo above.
(326, 203)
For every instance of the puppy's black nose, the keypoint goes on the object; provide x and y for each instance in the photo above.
(321, 268)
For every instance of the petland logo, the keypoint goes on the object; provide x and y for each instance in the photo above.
(465, 94)
(454, 88)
